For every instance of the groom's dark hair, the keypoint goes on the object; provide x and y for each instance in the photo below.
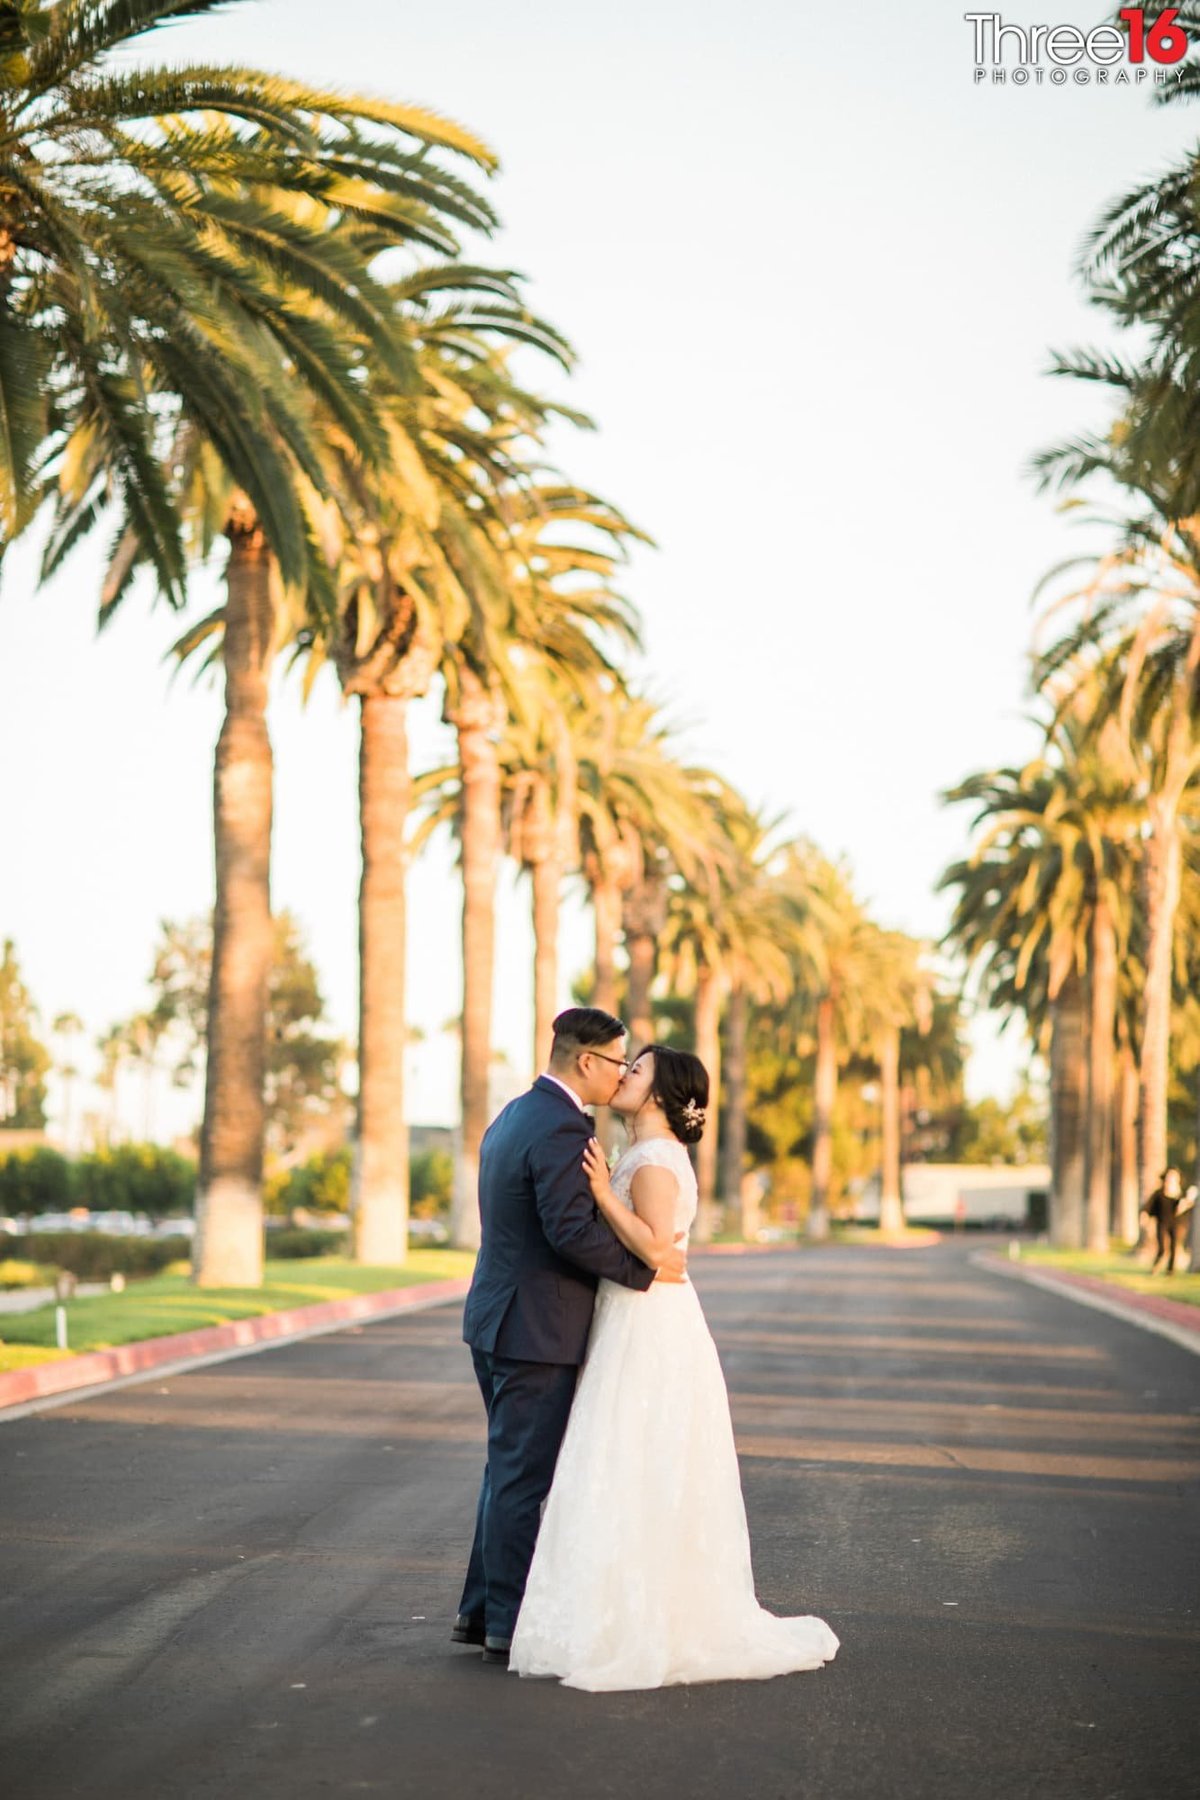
(582, 1028)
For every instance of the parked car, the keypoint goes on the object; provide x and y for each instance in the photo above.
(118, 1223)
(183, 1227)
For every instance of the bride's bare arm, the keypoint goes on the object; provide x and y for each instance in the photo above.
(649, 1231)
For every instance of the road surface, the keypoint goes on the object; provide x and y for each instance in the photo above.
(239, 1582)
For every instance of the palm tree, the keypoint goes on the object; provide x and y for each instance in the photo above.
(725, 944)
(646, 818)
(899, 993)
(143, 1034)
(833, 946)
(114, 1051)
(527, 614)
(1043, 912)
(1135, 653)
(401, 600)
(150, 231)
(1125, 1188)
(539, 783)
(67, 1028)
(218, 263)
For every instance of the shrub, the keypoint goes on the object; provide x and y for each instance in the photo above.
(15, 1274)
(138, 1178)
(430, 1183)
(39, 1180)
(322, 1184)
(95, 1255)
(292, 1242)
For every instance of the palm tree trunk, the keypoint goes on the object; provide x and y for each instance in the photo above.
(891, 1205)
(1163, 866)
(644, 915)
(708, 1049)
(229, 1232)
(475, 720)
(1126, 1189)
(1101, 1047)
(379, 1190)
(1068, 1104)
(606, 913)
(733, 1135)
(547, 886)
(825, 1093)
(642, 953)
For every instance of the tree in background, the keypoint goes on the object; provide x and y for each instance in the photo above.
(303, 1062)
(24, 1059)
(1045, 913)
(196, 291)
(1016, 1132)
(68, 1029)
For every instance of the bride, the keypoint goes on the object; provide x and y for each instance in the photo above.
(641, 1576)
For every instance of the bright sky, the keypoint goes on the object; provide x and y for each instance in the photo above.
(813, 272)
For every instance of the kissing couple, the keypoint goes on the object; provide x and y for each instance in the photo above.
(604, 1394)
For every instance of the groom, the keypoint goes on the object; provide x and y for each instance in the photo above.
(530, 1306)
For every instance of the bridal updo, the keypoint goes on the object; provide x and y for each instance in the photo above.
(680, 1086)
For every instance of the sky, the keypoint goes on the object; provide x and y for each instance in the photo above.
(813, 273)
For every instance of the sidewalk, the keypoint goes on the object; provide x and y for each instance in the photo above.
(1174, 1319)
(19, 1300)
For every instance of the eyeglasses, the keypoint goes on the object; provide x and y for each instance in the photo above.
(618, 1062)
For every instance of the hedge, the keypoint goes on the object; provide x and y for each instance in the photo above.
(292, 1242)
(95, 1255)
(137, 1178)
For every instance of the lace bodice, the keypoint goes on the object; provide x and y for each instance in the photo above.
(665, 1153)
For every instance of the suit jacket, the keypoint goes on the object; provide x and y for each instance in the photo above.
(1163, 1207)
(544, 1244)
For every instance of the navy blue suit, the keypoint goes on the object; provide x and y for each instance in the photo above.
(544, 1246)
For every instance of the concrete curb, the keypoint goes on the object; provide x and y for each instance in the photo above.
(213, 1343)
(1165, 1318)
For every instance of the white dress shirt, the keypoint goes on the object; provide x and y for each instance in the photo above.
(566, 1090)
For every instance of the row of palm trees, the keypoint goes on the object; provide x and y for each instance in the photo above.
(236, 309)
(205, 332)
(708, 902)
(1080, 902)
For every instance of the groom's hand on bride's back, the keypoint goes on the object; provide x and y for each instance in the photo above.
(673, 1266)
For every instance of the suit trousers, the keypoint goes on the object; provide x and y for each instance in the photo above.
(1168, 1240)
(528, 1405)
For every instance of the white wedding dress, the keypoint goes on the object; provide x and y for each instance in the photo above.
(641, 1576)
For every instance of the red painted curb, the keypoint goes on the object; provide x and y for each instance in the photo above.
(96, 1366)
(1178, 1312)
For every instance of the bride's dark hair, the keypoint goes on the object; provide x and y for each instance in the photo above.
(680, 1086)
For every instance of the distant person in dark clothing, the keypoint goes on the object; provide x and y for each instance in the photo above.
(1163, 1207)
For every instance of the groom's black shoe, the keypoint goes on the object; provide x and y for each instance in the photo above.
(496, 1649)
(467, 1631)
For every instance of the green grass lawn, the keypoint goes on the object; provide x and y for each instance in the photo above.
(165, 1304)
(1122, 1271)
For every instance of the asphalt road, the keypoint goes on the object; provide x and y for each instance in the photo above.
(239, 1582)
